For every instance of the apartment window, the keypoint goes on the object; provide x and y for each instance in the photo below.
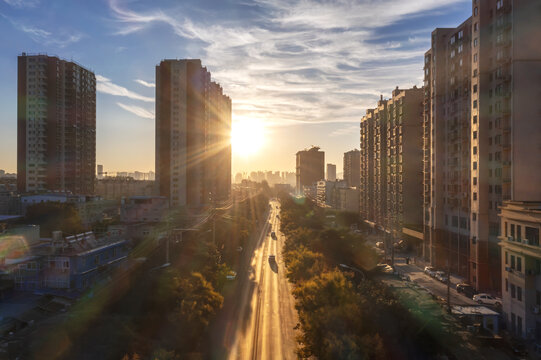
(475, 165)
(474, 72)
(475, 42)
(532, 234)
(519, 264)
(519, 293)
(474, 216)
(475, 150)
(519, 232)
(513, 291)
(475, 89)
(499, 4)
(474, 57)
(506, 258)
(475, 134)
(475, 180)
(475, 11)
(460, 48)
(475, 116)
(474, 196)
(475, 27)
(513, 231)
(461, 34)
(474, 241)
(455, 221)
(513, 262)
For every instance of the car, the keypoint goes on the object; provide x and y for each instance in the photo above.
(232, 275)
(487, 299)
(273, 235)
(272, 258)
(441, 276)
(430, 271)
(466, 289)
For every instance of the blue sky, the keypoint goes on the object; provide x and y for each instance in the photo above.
(303, 70)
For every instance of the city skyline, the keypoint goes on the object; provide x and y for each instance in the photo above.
(279, 85)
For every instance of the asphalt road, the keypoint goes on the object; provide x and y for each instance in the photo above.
(433, 285)
(264, 328)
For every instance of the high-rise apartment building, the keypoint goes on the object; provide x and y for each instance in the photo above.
(193, 122)
(482, 115)
(310, 167)
(446, 147)
(391, 163)
(331, 172)
(56, 125)
(352, 168)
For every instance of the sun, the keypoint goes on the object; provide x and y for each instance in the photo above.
(247, 136)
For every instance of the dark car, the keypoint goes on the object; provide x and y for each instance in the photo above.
(466, 289)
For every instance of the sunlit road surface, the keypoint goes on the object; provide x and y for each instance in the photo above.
(264, 328)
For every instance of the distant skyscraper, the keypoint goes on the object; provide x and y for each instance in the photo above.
(100, 171)
(193, 125)
(331, 172)
(352, 168)
(310, 167)
(56, 125)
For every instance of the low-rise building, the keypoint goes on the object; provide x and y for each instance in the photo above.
(70, 264)
(521, 267)
(144, 209)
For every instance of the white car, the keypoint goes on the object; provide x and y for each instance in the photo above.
(487, 299)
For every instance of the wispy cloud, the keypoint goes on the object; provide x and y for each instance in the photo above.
(144, 83)
(303, 61)
(106, 86)
(22, 3)
(60, 39)
(137, 110)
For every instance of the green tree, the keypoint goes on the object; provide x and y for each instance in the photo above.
(197, 302)
(303, 264)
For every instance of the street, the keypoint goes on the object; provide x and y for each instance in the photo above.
(432, 285)
(264, 327)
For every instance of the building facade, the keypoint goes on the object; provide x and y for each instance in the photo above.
(331, 172)
(481, 116)
(521, 268)
(352, 168)
(56, 125)
(446, 149)
(310, 168)
(193, 127)
(391, 162)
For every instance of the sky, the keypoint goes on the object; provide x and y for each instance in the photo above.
(299, 72)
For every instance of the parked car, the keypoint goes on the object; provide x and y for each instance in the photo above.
(232, 275)
(441, 276)
(487, 299)
(430, 270)
(466, 289)
(273, 235)
(272, 258)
